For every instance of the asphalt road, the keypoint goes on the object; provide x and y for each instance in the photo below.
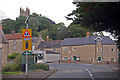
(83, 71)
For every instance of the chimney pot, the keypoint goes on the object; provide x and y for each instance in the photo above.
(47, 38)
(13, 31)
(88, 34)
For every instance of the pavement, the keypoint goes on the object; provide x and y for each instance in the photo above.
(33, 75)
(73, 71)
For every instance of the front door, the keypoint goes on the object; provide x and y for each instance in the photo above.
(99, 58)
(74, 57)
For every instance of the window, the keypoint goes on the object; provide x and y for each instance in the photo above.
(54, 49)
(65, 49)
(112, 49)
(98, 41)
(74, 48)
(99, 49)
(65, 58)
(14, 47)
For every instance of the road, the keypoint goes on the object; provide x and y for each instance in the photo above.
(83, 71)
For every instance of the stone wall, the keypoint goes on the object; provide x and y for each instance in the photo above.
(4, 54)
(15, 46)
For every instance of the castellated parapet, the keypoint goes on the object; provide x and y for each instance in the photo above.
(24, 13)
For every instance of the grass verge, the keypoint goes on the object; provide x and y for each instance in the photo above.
(17, 72)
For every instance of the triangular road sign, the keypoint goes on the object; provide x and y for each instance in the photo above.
(26, 34)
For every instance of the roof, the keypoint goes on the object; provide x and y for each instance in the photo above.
(86, 40)
(51, 52)
(35, 39)
(13, 36)
(49, 44)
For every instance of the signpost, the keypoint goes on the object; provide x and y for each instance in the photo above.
(26, 43)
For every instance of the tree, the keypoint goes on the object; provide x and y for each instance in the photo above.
(44, 33)
(58, 31)
(76, 31)
(98, 16)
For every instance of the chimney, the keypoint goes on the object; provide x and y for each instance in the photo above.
(88, 34)
(0, 27)
(13, 32)
(47, 38)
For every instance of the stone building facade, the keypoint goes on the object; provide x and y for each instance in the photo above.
(89, 49)
(14, 42)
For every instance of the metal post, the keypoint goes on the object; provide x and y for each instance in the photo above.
(26, 64)
(27, 51)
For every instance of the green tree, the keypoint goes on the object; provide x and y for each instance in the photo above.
(44, 33)
(98, 16)
(78, 31)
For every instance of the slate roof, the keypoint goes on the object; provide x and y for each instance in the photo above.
(50, 44)
(85, 41)
(35, 39)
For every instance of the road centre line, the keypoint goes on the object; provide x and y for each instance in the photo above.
(89, 73)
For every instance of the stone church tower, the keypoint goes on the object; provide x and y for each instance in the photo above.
(24, 13)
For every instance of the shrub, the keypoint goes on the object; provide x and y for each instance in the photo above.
(14, 66)
(42, 67)
(11, 68)
(13, 56)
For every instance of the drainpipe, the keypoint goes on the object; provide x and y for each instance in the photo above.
(95, 51)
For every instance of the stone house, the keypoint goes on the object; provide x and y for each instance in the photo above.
(89, 49)
(3, 47)
(14, 42)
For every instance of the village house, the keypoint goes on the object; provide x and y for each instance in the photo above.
(14, 42)
(88, 49)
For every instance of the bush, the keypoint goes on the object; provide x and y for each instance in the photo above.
(14, 66)
(42, 67)
(11, 68)
(13, 56)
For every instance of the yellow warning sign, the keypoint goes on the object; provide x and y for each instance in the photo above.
(26, 39)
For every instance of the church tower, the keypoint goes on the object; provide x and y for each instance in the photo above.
(24, 13)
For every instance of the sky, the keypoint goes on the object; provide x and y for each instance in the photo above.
(56, 10)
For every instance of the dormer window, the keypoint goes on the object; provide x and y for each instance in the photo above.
(98, 41)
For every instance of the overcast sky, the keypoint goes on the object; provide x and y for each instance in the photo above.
(56, 10)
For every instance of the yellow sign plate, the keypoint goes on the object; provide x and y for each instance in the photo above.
(26, 39)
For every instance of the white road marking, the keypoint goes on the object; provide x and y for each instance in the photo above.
(72, 71)
(89, 73)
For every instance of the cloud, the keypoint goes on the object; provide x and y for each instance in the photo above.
(2, 15)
